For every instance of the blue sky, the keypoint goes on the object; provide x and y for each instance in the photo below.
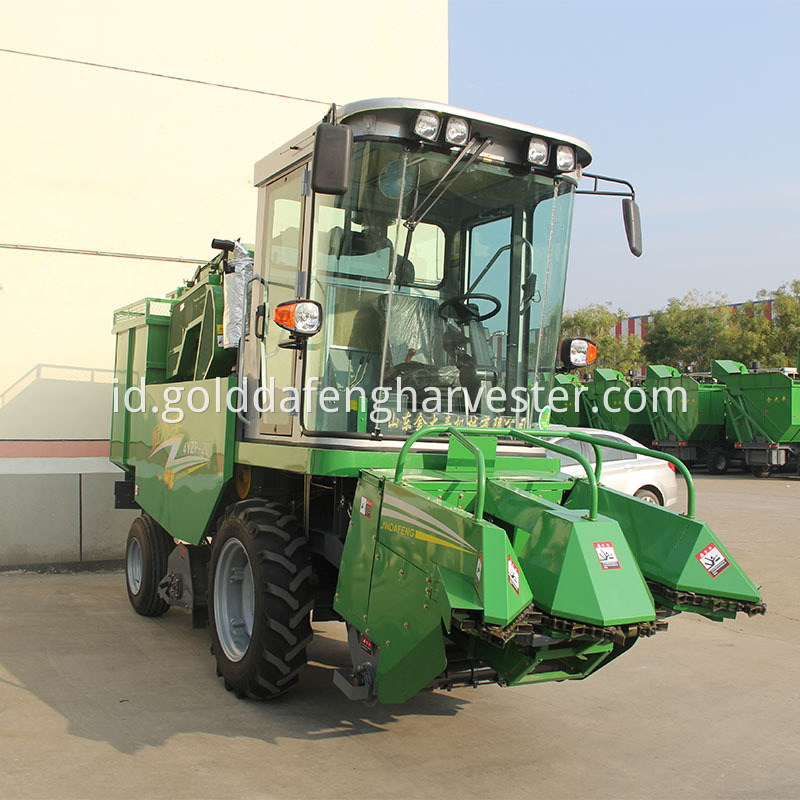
(696, 103)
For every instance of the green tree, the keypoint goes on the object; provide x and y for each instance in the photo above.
(689, 332)
(784, 336)
(596, 322)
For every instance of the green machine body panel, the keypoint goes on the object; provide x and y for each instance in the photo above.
(181, 468)
(561, 553)
(570, 411)
(606, 393)
(195, 348)
(141, 329)
(763, 404)
(676, 552)
(703, 419)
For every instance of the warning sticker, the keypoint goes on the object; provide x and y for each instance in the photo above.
(367, 646)
(713, 560)
(607, 555)
(479, 569)
(366, 507)
(513, 574)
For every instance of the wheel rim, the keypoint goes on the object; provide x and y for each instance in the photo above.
(649, 499)
(133, 564)
(234, 600)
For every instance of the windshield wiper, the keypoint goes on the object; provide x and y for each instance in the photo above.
(422, 208)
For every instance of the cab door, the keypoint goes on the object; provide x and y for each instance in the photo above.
(281, 245)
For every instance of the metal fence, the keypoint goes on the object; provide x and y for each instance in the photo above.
(56, 372)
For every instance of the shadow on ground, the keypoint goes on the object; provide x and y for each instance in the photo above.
(135, 682)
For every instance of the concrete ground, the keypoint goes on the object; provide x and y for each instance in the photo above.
(96, 702)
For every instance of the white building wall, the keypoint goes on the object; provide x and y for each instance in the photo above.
(105, 160)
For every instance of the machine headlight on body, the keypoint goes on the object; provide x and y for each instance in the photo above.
(538, 152)
(427, 125)
(456, 131)
(578, 352)
(302, 317)
(565, 158)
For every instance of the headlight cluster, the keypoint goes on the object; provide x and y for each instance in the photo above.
(539, 155)
(428, 125)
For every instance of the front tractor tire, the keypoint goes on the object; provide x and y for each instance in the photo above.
(146, 556)
(260, 599)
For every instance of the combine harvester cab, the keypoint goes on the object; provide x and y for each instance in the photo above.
(341, 423)
(763, 414)
(687, 414)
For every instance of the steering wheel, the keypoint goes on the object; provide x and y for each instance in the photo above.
(456, 308)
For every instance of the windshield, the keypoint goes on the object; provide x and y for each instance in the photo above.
(461, 330)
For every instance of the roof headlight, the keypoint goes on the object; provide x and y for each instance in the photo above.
(427, 125)
(565, 158)
(538, 152)
(457, 130)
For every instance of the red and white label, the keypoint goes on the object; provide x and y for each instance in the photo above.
(607, 555)
(513, 574)
(366, 507)
(367, 646)
(479, 569)
(712, 559)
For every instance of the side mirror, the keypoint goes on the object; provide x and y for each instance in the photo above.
(333, 145)
(633, 225)
(578, 352)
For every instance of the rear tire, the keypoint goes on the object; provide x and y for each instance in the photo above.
(649, 496)
(717, 461)
(760, 471)
(260, 599)
(146, 556)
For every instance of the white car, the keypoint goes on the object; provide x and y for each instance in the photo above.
(647, 478)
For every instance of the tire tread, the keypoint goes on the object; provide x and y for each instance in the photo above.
(284, 574)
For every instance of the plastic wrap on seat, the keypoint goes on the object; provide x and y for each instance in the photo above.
(421, 377)
(234, 284)
(415, 330)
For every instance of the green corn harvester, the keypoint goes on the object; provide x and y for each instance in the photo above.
(763, 414)
(285, 468)
(568, 407)
(687, 413)
(604, 405)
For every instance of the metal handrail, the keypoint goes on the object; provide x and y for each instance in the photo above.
(526, 436)
(480, 491)
(35, 373)
(591, 475)
(629, 448)
(540, 437)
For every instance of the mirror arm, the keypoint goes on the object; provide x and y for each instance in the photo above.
(597, 178)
